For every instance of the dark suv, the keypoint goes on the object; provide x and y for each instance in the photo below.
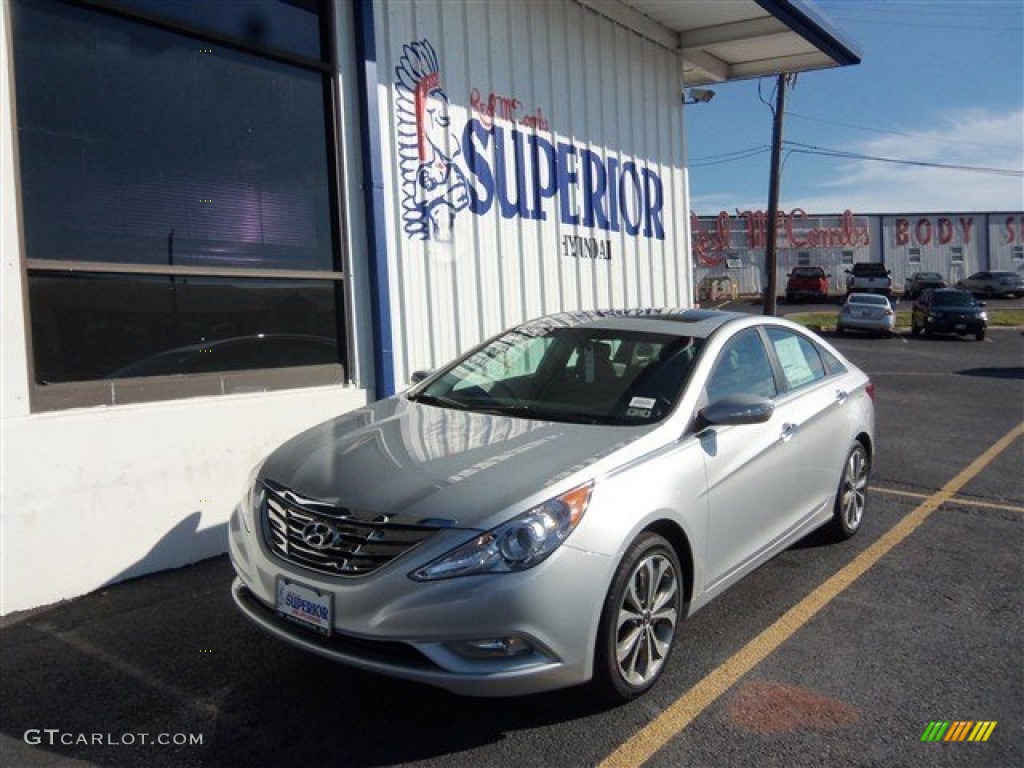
(948, 310)
(807, 283)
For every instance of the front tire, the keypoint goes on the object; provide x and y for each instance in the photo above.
(851, 496)
(638, 624)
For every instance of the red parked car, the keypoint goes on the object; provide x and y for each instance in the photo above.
(808, 283)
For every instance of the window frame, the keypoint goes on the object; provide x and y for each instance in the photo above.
(63, 395)
(708, 397)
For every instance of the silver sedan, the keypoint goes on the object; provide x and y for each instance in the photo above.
(867, 312)
(546, 510)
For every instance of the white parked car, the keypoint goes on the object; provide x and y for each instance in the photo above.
(867, 312)
(547, 509)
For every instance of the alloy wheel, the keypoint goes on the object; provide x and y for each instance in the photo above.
(854, 489)
(647, 619)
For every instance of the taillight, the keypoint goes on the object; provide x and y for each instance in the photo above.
(870, 389)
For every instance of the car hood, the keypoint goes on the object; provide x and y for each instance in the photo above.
(416, 462)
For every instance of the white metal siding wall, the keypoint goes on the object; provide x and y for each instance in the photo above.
(1006, 241)
(599, 87)
(936, 237)
(825, 239)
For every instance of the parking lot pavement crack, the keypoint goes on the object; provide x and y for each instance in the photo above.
(968, 501)
(205, 709)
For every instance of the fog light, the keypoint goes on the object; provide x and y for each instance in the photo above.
(491, 648)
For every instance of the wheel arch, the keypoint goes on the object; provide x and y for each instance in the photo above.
(676, 536)
(865, 439)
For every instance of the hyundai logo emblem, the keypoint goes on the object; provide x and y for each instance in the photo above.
(319, 535)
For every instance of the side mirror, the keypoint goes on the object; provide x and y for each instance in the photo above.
(418, 376)
(981, 303)
(735, 410)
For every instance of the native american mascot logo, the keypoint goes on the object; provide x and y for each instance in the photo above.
(434, 187)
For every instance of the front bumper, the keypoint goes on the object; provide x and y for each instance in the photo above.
(961, 326)
(389, 624)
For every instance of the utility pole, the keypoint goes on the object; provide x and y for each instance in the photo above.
(770, 255)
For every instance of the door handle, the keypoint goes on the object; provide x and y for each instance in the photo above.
(788, 430)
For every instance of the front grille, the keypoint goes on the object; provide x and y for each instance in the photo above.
(334, 540)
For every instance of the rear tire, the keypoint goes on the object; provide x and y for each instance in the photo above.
(851, 496)
(980, 335)
(640, 619)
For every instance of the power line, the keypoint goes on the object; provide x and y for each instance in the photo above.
(728, 157)
(810, 149)
(898, 133)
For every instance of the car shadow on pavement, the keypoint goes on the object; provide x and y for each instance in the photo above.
(102, 678)
(1009, 372)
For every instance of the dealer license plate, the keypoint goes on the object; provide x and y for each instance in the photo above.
(304, 605)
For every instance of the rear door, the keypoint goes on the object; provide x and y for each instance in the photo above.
(811, 400)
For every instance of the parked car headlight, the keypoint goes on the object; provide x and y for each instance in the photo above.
(521, 543)
(253, 500)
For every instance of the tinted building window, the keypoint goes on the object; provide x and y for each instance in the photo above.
(100, 326)
(286, 25)
(166, 167)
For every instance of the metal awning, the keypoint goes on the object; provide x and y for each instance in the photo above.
(720, 40)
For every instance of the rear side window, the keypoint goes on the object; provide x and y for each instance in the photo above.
(799, 356)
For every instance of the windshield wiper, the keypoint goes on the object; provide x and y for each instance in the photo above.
(441, 402)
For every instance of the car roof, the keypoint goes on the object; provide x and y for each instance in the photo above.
(699, 323)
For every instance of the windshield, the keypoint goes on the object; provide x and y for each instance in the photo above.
(575, 374)
(867, 298)
(955, 299)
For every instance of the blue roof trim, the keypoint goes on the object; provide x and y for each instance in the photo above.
(373, 199)
(814, 27)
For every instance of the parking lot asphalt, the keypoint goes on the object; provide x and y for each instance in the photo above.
(828, 655)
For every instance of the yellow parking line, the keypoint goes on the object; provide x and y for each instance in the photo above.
(954, 500)
(646, 742)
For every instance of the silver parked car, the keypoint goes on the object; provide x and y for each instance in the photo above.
(866, 312)
(547, 509)
(994, 284)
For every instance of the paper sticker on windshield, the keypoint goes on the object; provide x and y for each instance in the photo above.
(643, 402)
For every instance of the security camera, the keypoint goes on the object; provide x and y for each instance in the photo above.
(699, 96)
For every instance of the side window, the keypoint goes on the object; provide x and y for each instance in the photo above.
(799, 356)
(742, 368)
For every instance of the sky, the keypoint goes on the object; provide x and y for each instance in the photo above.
(940, 83)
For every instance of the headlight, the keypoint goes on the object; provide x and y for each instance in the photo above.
(253, 500)
(521, 543)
